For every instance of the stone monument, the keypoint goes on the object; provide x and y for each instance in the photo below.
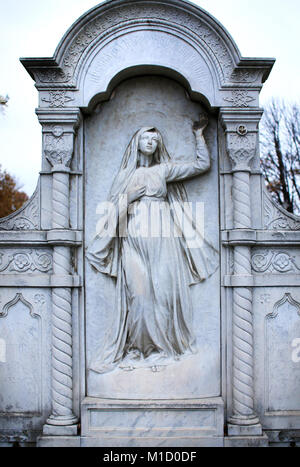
(150, 287)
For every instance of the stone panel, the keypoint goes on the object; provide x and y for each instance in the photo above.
(24, 363)
(277, 337)
(162, 103)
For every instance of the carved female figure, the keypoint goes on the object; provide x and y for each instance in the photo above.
(152, 317)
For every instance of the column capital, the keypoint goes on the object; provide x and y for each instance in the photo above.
(241, 146)
(59, 130)
(231, 118)
(68, 118)
(59, 148)
(241, 134)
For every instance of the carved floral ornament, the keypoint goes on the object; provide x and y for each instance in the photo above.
(275, 218)
(244, 76)
(241, 147)
(57, 99)
(135, 15)
(40, 299)
(270, 261)
(58, 147)
(27, 218)
(240, 98)
(26, 261)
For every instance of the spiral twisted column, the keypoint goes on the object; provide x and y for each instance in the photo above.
(58, 149)
(60, 200)
(241, 147)
(242, 337)
(242, 326)
(62, 345)
(241, 200)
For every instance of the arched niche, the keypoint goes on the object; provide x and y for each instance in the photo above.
(151, 48)
(142, 71)
(164, 103)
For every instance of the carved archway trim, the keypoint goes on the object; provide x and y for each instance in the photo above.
(186, 18)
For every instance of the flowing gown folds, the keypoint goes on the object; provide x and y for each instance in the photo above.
(152, 316)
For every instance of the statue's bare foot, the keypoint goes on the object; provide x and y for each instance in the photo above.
(128, 368)
(157, 368)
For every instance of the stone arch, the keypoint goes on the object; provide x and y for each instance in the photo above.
(113, 37)
(168, 52)
(146, 70)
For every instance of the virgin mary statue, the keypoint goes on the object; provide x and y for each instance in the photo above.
(152, 319)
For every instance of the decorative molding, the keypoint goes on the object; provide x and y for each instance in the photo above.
(57, 99)
(16, 438)
(18, 298)
(284, 328)
(275, 217)
(41, 281)
(34, 313)
(272, 261)
(55, 75)
(40, 299)
(135, 15)
(244, 76)
(26, 218)
(239, 98)
(264, 298)
(24, 261)
(286, 298)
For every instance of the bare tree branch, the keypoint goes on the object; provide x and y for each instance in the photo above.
(280, 153)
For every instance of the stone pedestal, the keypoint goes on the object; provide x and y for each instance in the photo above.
(246, 442)
(59, 442)
(123, 423)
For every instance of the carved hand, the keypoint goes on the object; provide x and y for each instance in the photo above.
(200, 126)
(136, 194)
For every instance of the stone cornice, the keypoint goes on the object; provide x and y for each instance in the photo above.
(60, 69)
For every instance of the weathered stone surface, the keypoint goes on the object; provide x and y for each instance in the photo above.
(59, 442)
(124, 66)
(189, 419)
(246, 442)
(199, 375)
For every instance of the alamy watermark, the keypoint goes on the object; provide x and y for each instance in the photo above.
(2, 351)
(296, 352)
(152, 218)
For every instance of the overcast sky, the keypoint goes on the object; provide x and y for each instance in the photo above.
(33, 28)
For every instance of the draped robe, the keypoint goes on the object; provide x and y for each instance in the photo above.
(153, 263)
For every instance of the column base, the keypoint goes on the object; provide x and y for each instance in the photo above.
(244, 430)
(247, 441)
(58, 442)
(54, 430)
(62, 420)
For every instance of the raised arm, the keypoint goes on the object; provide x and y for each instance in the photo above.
(176, 171)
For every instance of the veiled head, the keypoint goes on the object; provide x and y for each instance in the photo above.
(148, 142)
